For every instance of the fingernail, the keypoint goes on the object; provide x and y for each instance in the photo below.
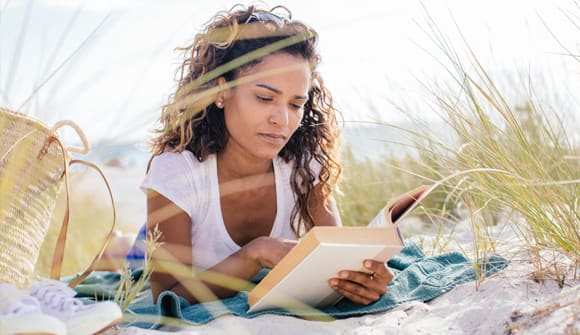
(333, 282)
(368, 264)
(343, 275)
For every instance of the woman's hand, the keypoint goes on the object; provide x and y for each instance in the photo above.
(363, 287)
(268, 251)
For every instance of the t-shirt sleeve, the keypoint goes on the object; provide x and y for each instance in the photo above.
(170, 176)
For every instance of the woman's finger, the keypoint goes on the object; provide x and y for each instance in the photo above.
(361, 300)
(378, 269)
(354, 291)
(362, 284)
(369, 281)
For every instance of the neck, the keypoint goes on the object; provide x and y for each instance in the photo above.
(231, 166)
(237, 173)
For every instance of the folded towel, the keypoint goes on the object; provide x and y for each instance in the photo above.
(417, 277)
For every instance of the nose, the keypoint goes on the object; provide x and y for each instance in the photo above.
(279, 116)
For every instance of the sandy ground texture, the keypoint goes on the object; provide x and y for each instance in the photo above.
(504, 304)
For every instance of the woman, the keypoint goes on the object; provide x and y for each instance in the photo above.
(245, 160)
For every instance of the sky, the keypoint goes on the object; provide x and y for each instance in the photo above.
(109, 65)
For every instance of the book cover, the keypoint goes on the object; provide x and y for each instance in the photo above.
(300, 280)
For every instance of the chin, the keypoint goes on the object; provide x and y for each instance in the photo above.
(267, 154)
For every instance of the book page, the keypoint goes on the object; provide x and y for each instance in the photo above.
(399, 207)
(404, 204)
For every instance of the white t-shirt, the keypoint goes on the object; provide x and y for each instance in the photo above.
(193, 187)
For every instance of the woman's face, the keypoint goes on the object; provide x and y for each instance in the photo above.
(266, 107)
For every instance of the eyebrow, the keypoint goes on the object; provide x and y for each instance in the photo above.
(277, 91)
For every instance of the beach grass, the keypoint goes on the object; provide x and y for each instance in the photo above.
(503, 161)
(514, 160)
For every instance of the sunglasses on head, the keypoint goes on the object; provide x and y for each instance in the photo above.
(265, 17)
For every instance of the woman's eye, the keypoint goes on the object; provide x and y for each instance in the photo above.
(296, 106)
(262, 98)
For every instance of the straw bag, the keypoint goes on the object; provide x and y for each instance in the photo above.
(34, 166)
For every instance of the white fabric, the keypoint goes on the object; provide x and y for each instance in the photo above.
(193, 186)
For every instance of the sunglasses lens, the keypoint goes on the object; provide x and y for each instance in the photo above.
(266, 17)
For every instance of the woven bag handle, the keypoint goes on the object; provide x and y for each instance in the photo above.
(86, 147)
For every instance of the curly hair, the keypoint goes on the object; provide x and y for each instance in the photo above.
(230, 43)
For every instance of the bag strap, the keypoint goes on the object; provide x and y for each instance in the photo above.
(79, 278)
(56, 268)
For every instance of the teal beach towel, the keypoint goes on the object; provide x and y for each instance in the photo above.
(417, 277)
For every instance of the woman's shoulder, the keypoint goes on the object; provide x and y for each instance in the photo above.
(179, 177)
(176, 175)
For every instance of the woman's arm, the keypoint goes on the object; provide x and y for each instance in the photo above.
(360, 287)
(172, 259)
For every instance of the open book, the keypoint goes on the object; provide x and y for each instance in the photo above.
(300, 280)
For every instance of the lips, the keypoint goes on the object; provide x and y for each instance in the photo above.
(273, 137)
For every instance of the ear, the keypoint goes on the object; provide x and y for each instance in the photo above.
(224, 90)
